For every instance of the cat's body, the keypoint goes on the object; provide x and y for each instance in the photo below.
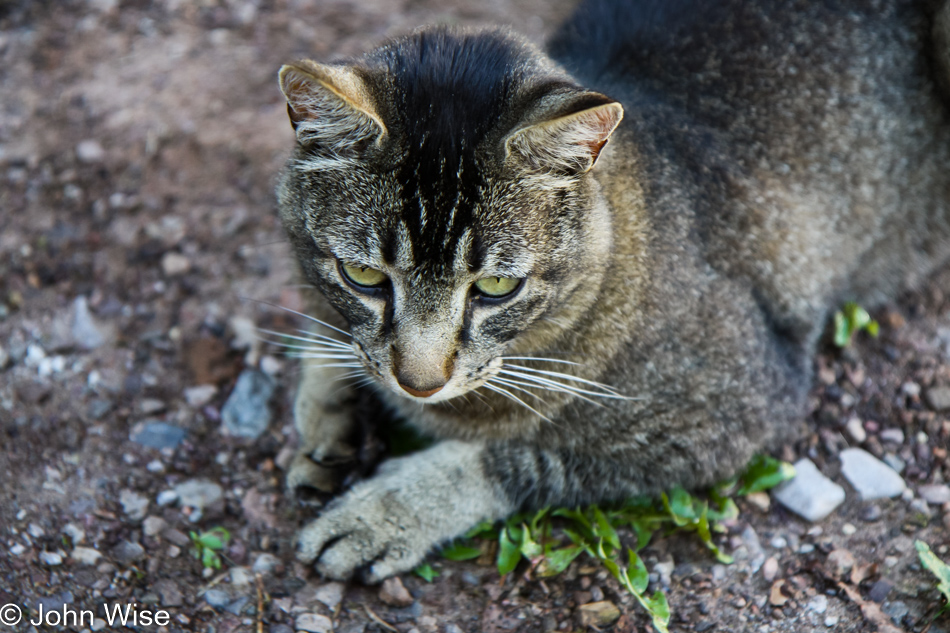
(774, 160)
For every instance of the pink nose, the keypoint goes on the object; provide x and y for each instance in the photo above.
(420, 394)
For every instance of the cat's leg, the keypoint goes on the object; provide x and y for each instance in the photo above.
(324, 421)
(387, 524)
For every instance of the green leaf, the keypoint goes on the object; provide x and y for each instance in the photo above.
(659, 610)
(763, 473)
(508, 553)
(603, 529)
(637, 572)
(842, 329)
(936, 567)
(682, 504)
(425, 572)
(485, 529)
(460, 551)
(644, 530)
(556, 561)
(530, 549)
(211, 541)
(873, 328)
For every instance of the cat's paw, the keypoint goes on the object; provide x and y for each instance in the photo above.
(306, 478)
(372, 530)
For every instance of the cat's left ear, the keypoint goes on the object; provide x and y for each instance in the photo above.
(567, 143)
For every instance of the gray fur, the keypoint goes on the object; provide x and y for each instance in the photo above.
(773, 162)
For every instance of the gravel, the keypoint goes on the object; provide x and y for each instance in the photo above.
(872, 478)
(313, 623)
(934, 494)
(198, 493)
(157, 434)
(247, 411)
(938, 398)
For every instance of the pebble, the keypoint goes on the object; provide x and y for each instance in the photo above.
(128, 552)
(75, 533)
(35, 530)
(872, 478)
(848, 529)
(4, 358)
(770, 569)
(280, 628)
(895, 436)
(894, 462)
(170, 593)
(871, 513)
(778, 542)
(818, 604)
(246, 413)
(598, 614)
(85, 556)
(150, 406)
(133, 504)
(760, 500)
(198, 493)
(241, 578)
(266, 564)
(166, 497)
(313, 623)
(880, 590)
(831, 621)
(157, 434)
(90, 151)
(174, 264)
(855, 429)
(934, 494)
(200, 395)
(919, 506)
(394, 593)
(839, 563)
(895, 610)
(17, 549)
(938, 398)
(51, 558)
(330, 594)
(217, 598)
(98, 408)
(809, 494)
(86, 332)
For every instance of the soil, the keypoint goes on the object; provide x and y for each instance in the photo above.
(139, 143)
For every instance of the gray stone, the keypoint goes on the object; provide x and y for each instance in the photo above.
(818, 604)
(85, 556)
(90, 151)
(75, 533)
(133, 504)
(157, 434)
(198, 493)
(895, 610)
(938, 398)
(894, 462)
(855, 429)
(247, 412)
(809, 494)
(200, 395)
(98, 408)
(266, 564)
(153, 526)
(174, 264)
(934, 494)
(280, 628)
(52, 559)
(128, 552)
(330, 594)
(86, 332)
(871, 513)
(170, 593)
(313, 623)
(895, 436)
(217, 598)
(872, 478)
(394, 593)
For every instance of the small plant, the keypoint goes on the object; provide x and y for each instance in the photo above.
(208, 544)
(549, 540)
(939, 569)
(850, 319)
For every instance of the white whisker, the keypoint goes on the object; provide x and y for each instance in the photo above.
(556, 374)
(306, 316)
(322, 340)
(508, 394)
(547, 360)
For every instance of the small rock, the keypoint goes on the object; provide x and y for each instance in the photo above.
(198, 493)
(150, 406)
(839, 563)
(133, 504)
(934, 494)
(871, 513)
(127, 552)
(848, 529)
(201, 395)
(394, 593)
(17, 549)
(86, 332)
(35, 530)
(267, 565)
(818, 604)
(895, 436)
(157, 434)
(153, 526)
(776, 597)
(85, 556)
(331, 594)
(217, 598)
(177, 537)
(879, 590)
(919, 506)
(175, 264)
(75, 533)
(855, 429)
(831, 621)
(246, 413)
(240, 578)
(760, 500)
(809, 494)
(169, 592)
(313, 623)
(770, 569)
(51, 558)
(280, 628)
(90, 151)
(98, 408)
(894, 462)
(598, 614)
(895, 610)
(778, 542)
(938, 398)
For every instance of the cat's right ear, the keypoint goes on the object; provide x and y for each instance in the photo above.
(330, 106)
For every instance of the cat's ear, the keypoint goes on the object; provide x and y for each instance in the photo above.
(566, 143)
(331, 106)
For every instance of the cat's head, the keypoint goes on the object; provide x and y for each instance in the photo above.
(440, 197)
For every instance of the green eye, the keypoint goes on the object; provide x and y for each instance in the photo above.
(363, 276)
(497, 286)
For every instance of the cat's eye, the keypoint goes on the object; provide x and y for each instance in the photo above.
(363, 275)
(497, 287)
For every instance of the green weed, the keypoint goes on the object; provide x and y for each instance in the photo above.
(850, 319)
(939, 569)
(208, 544)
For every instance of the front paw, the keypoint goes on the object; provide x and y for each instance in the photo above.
(371, 530)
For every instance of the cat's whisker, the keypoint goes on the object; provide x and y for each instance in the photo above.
(514, 384)
(557, 374)
(309, 348)
(539, 358)
(555, 387)
(320, 339)
(508, 394)
(606, 391)
(317, 356)
(306, 316)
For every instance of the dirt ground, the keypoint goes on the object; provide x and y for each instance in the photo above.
(139, 143)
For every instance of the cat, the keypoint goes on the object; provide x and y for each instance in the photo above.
(601, 270)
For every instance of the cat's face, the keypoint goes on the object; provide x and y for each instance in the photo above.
(441, 242)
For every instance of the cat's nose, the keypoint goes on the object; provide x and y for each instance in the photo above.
(421, 376)
(419, 393)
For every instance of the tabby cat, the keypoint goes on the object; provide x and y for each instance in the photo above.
(600, 270)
